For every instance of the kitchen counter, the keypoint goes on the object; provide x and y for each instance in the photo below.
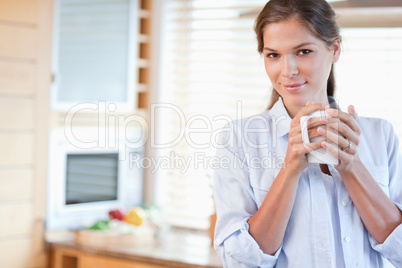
(173, 248)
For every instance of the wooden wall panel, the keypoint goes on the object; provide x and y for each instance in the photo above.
(16, 149)
(16, 219)
(16, 114)
(25, 57)
(21, 42)
(17, 77)
(15, 185)
(13, 253)
(25, 11)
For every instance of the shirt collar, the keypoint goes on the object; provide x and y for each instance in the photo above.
(281, 119)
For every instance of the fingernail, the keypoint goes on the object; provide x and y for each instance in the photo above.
(321, 130)
(324, 119)
(325, 144)
(330, 111)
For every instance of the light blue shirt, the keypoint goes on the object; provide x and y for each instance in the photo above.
(325, 229)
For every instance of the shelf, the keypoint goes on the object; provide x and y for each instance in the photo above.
(143, 38)
(144, 14)
(142, 88)
(142, 63)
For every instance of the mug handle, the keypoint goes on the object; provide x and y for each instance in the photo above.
(304, 130)
(305, 137)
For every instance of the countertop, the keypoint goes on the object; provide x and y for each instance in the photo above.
(174, 248)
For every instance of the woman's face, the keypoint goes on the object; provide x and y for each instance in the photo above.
(297, 63)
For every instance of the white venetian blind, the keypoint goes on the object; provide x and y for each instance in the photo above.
(212, 73)
(368, 73)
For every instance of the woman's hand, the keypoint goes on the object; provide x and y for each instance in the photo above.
(296, 159)
(378, 213)
(345, 124)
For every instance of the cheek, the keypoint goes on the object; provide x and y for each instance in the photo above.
(318, 68)
(323, 65)
(270, 71)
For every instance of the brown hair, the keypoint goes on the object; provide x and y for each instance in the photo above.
(316, 15)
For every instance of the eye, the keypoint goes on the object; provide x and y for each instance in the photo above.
(304, 51)
(272, 55)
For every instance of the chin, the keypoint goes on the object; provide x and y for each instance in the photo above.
(298, 101)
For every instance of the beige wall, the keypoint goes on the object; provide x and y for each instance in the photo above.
(25, 118)
(25, 43)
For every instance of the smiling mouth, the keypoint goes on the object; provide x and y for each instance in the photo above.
(294, 87)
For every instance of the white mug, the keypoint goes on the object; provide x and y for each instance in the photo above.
(321, 156)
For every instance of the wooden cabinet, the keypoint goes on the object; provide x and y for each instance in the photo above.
(63, 258)
(176, 248)
(103, 262)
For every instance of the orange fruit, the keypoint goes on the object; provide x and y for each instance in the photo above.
(135, 216)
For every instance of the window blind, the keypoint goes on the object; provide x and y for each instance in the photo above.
(213, 73)
(368, 73)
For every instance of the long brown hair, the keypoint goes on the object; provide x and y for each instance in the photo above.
(316, 15)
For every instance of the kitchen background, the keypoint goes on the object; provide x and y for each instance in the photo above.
(182, 67)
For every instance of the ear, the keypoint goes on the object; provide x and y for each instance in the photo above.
(336, 48)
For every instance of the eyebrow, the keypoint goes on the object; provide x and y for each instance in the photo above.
(296, 47)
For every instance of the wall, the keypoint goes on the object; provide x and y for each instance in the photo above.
(24, 88)
(25, 119)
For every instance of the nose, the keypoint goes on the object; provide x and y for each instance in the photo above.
(289, 67)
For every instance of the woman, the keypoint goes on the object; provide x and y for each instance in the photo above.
(300, 214)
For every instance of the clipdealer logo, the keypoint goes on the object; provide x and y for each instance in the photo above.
(198, 132)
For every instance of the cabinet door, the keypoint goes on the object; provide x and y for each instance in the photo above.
(90, 261)
(94, 53)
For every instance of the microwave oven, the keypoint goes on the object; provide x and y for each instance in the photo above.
(90, 172)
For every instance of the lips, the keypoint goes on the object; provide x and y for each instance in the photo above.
(294, 86)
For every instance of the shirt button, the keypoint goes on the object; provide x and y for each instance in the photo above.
(347, 239)
(344, 203)
(218, 240)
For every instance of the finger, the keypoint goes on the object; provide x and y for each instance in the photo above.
(350, 148)
(313, 133)
(345, 131)
(294, 131)
(298, 138)
(345, 117)
(352, 111)
(336, 139)
(325, 131)
(308, 109)
(312, 146)
(320, 132)
(317, 121)
(334, 150)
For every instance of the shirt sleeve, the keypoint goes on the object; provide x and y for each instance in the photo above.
(235, 204)
(391, 247)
